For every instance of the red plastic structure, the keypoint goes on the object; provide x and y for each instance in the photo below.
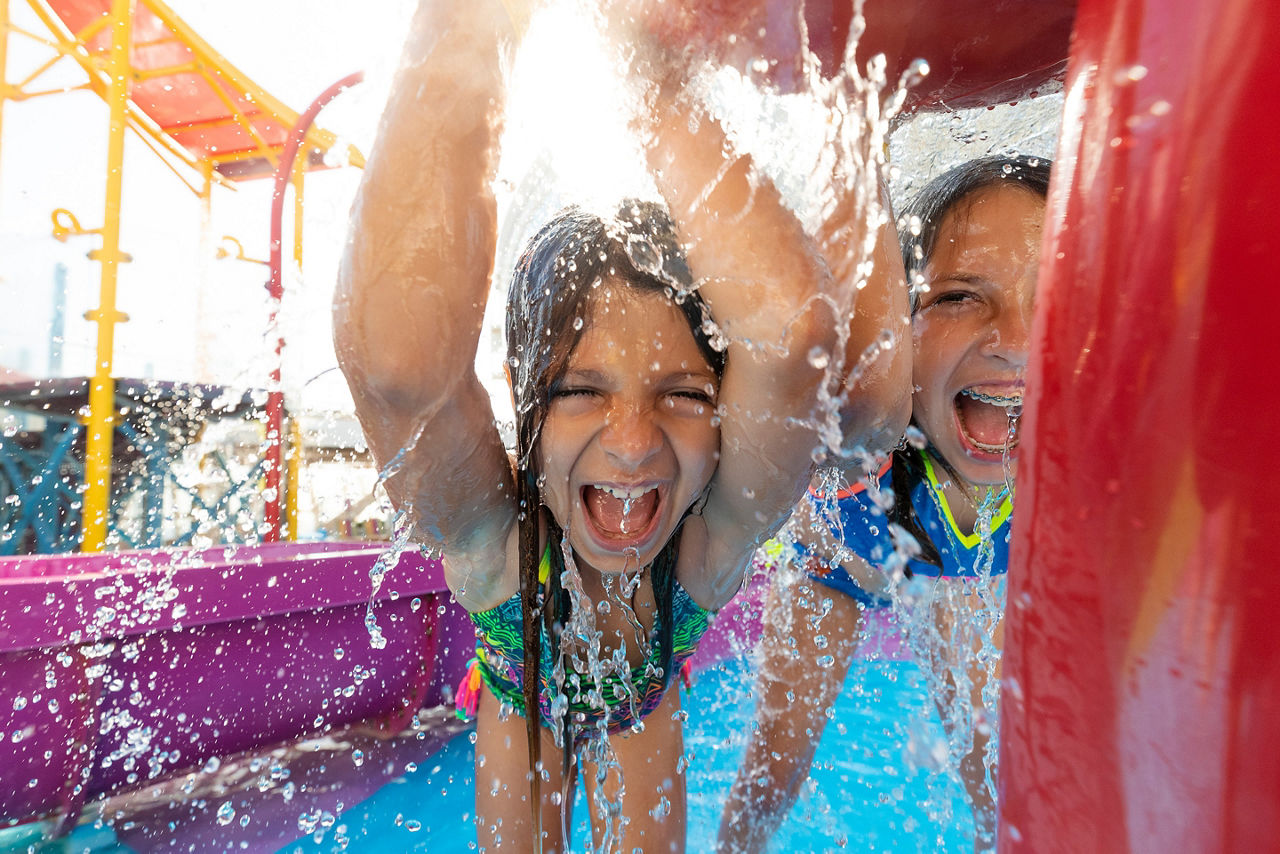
(1141, 707)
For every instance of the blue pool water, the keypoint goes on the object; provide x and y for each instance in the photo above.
(871, 788)
(865, 793)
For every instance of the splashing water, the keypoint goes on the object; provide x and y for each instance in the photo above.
(584, 661)
(858, 107)
(955, 628)
(951, 626)
(385, 562)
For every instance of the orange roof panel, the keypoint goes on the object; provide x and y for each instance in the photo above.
(184, 90)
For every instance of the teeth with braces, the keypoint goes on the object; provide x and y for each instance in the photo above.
(1010, 402)
(992, 449)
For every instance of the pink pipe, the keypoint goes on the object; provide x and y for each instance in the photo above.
(275, 287)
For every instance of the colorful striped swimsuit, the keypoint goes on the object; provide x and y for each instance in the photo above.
(499, 662)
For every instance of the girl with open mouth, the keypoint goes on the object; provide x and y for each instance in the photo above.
(665, 393)
(971, 246)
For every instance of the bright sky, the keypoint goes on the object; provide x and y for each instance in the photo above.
(194, 318)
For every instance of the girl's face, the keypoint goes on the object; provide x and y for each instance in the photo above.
(971, 329)
(629, 440)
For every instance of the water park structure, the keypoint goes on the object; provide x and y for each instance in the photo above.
(202, 117)
(1140, 695)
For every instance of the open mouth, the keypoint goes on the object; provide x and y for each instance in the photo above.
(621, 516)
(989, 420)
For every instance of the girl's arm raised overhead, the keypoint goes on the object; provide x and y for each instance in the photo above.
(768, 288)
(413, 285)
(875, 377)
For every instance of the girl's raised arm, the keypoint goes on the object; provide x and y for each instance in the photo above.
(413, 284)
(778, 298)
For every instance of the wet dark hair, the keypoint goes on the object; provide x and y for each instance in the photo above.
(924, 216)
(549, 306)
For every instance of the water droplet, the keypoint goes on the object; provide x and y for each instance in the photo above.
(819, 358)
(226, 813)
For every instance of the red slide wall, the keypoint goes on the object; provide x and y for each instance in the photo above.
(1142, 671)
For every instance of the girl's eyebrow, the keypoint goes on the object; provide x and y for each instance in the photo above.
(960, 276)
(677, 377)
(584, 375)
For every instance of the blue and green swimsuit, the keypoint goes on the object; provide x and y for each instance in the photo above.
(864, 530)
(499, 663)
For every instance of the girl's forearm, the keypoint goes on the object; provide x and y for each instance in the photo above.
(756, 268)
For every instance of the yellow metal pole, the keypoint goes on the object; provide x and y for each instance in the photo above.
(97, 464)
(293, 468)
(203, 371)
(299, 175)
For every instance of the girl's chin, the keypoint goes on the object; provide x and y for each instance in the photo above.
(986, 470)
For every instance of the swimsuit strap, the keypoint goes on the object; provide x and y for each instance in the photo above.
(970, 540)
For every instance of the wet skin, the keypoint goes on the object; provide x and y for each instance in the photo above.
(971, 328)
(970, 333)
(632, 414)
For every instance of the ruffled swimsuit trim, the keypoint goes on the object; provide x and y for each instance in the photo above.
(499, 663)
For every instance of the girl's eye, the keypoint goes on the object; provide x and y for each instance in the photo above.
(954, 298)
(574, 391)
(684, 398)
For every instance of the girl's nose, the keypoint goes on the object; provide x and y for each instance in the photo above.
(630, 437)
(1010, 336)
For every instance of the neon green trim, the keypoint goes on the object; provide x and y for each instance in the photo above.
(544, 565)
(773, 550)
(969, 541)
